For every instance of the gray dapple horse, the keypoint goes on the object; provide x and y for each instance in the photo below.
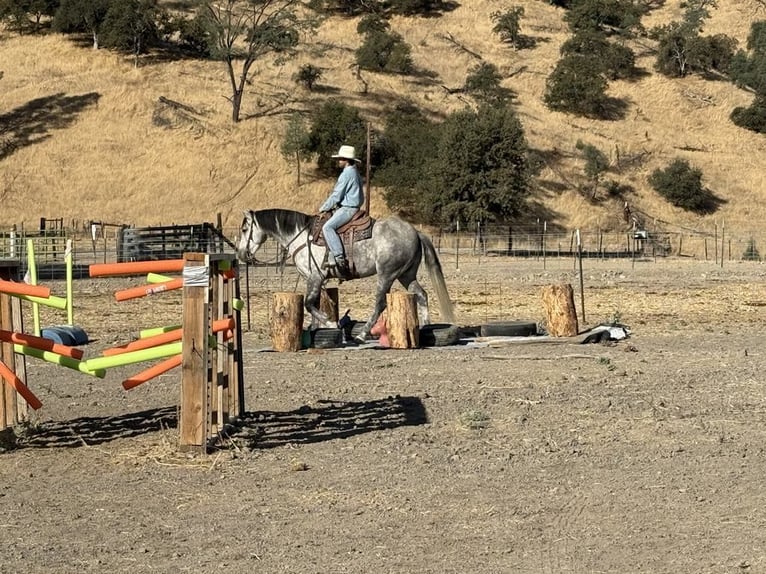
(393, 252)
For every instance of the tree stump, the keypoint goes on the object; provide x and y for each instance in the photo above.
(403, 329)
(560, 311)
(286, 321)
(328, 303)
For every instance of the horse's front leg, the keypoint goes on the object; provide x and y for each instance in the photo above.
(312, 299)
(384, 286)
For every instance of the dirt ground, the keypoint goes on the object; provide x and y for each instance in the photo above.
(644, 455)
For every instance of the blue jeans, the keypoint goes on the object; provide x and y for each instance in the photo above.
(341, 216)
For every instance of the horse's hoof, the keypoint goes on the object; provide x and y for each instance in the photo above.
(361, 338)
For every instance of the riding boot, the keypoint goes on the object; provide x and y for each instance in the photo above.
(342, 265)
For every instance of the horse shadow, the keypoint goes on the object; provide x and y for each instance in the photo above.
(328, 420)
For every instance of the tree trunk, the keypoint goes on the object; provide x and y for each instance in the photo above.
(403, 330)
(236, 105)
(286, 321)
(560, 312)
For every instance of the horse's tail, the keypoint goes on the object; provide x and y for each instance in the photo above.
(437, 278)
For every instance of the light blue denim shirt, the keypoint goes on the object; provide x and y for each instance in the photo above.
(348, 192)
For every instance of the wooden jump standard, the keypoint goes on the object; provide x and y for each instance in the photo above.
(212, 385)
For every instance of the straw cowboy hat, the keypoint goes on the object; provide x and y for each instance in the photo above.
(346, 152)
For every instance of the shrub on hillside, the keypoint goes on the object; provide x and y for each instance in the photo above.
(507, 25)
(605, 15)
(752, 117)
(308, 75)
(614, 60)
(385, 52)
(576, 86)
(681, 185)
(483, 82)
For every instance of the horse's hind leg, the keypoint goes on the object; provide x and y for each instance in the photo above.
(384, 286)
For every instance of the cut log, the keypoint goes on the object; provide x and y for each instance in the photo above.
(560, 312)
(402, 326)
(328, 303)
(286, 321)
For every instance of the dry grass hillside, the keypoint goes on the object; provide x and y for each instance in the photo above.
(89, 144)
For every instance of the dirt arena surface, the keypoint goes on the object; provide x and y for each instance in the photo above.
(644, 455)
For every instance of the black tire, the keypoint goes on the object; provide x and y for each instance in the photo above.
(355, 329)
(326, 338)
(468, 332)
(509, 329)
(439, 335)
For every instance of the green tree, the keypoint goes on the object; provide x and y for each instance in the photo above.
(385, 52)
(194, 34)
(752, 117)
(243, 31)
(615, 61)
(608, 16)
(296, 142)
(749, 69)
(307, 76)
(131, 26)
(406, 150)
(596, 165)
(576, 86)
(333, 124)
(756, 39)
(483, 82)
(26, 15)
(480, 172)
(508, 25)
(682, 49)
(82, 16)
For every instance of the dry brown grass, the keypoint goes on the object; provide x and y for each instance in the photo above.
(113, 163)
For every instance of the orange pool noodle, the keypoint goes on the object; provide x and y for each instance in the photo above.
(164, 338)
(151, 372)
(12, 379)
(40, 343)
(16, 288)
(136, 267)
(149, 289)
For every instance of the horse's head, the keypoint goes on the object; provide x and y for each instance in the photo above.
(251, 237)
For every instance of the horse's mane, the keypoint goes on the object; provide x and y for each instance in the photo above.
(281, 221)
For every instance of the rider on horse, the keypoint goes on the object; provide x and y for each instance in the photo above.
(345, 200)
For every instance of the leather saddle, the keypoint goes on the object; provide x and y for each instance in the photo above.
(358, 229)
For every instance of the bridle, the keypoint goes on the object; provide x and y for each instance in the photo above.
(280, 261)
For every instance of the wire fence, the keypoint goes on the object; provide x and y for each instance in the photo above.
(107, 244)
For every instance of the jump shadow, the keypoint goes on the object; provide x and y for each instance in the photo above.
(92, 431)
(33, 121)
(258, 429)
(329, 421)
